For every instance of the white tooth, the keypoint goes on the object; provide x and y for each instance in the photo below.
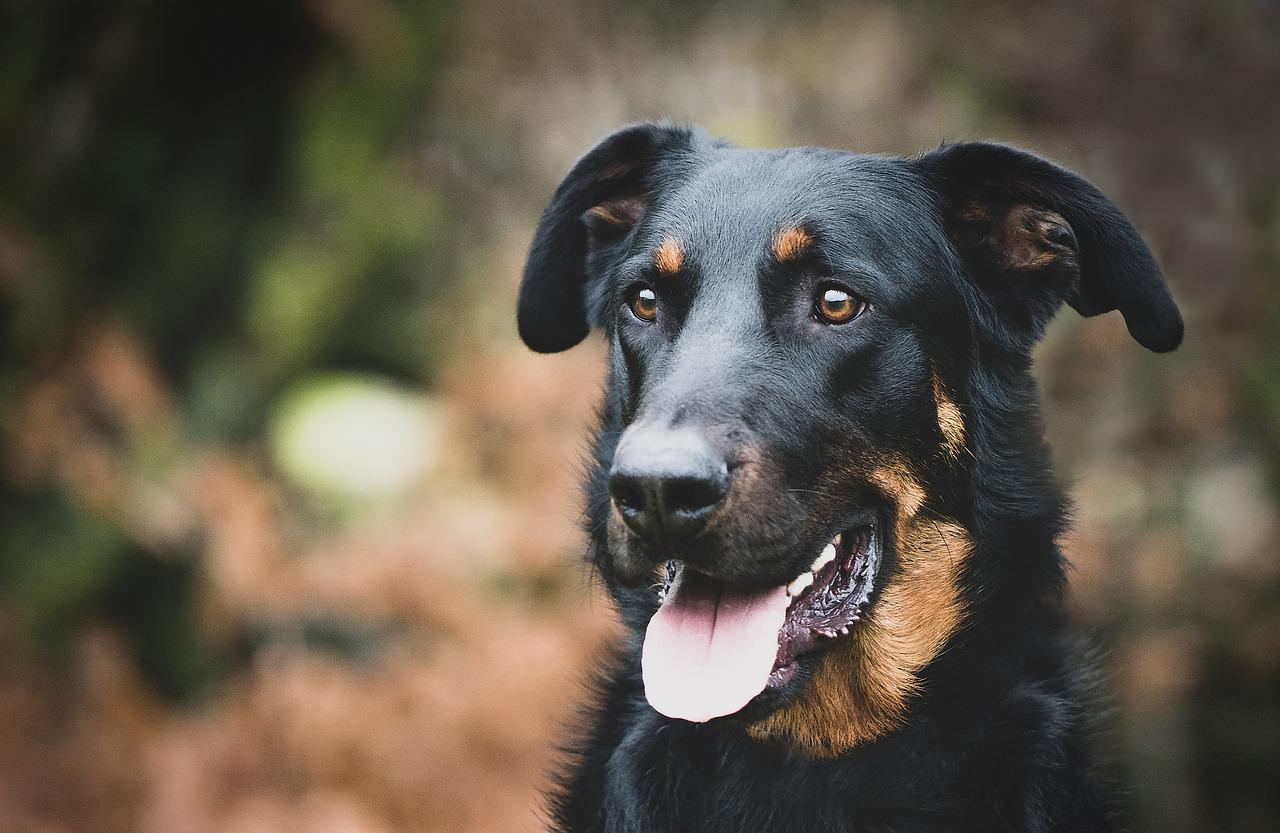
(824, 558)
(844, 631)
(799, 583)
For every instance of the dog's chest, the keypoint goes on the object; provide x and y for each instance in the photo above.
(666, 777)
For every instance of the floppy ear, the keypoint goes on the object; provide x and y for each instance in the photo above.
(592, 212)
(1034, 235)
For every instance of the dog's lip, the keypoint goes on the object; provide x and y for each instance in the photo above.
(837, 597)
(783, 573)
(827, 598)
(779, 574)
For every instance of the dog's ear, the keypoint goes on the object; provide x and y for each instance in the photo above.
(1035, 235)
(595, 208)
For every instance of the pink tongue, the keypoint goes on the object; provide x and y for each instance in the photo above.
(708, 650)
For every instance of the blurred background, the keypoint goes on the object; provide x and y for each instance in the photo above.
(287, 513)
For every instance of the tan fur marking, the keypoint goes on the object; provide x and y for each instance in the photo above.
(950, 420)
(860, 689)
(896, 481)
(617, 171)
(790, 242)
(1024, 237)
(669, 257)
(1019, 233)
(608, 213)
(621, 212)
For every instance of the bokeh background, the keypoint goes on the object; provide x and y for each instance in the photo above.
(287, 513)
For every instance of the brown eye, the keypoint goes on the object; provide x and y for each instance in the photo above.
(644, 303)
(835, 306)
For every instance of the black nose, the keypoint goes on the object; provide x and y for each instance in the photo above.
(667, 483)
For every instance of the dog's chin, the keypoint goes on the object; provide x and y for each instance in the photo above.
(724, 649)
(785, 686)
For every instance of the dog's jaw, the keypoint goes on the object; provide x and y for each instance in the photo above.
(712, 648)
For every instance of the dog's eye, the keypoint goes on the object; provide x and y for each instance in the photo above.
(643, 302)
(834, 305)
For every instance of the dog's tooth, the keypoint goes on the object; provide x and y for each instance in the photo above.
(844, 631)
(824, 558)
(799, 583)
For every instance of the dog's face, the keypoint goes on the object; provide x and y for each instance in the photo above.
(772, 316)
(800, 342)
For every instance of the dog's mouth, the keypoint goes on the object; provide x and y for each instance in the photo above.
(711, 648)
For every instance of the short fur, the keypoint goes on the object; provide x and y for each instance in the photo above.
(960, 702)
(669, 257)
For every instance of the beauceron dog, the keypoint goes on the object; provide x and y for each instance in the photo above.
(820, 495)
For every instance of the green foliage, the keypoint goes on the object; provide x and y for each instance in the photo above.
(238, 186)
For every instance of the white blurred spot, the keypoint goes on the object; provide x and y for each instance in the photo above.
(1229, 506)
(361, 438)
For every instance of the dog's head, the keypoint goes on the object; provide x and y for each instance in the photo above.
(818, 400)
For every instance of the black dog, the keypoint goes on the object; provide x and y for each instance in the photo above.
(821, 496)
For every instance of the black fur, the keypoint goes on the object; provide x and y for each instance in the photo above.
(998, 739)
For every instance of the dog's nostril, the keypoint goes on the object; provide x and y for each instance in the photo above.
(627, 493)
(692, 495)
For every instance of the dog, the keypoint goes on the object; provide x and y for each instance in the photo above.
(820, 496)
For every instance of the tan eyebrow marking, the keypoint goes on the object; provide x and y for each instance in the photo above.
(669, 257)
(790, 242)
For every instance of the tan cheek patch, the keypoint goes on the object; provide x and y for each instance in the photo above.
(896, 481)
(950, 420)
(860, 689)
(669, 257)
(790, 242)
